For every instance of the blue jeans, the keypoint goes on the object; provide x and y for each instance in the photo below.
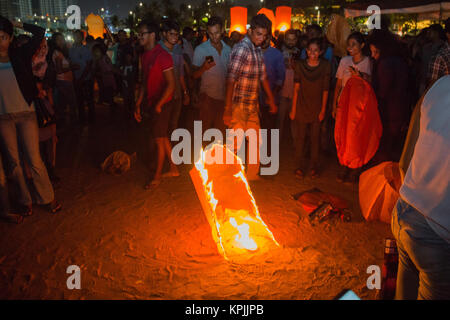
(19, 131)
(424, 257)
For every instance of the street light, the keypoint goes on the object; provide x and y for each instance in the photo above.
(140, 4)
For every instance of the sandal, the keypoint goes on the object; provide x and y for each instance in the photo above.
(53, 207)
(152, 184)
(12, 218)
(299, 174)
(26, 211)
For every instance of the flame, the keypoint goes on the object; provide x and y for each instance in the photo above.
(236, 231)
(283, 27)
(243, 238)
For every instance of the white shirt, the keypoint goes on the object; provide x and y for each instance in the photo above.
(11, 98)
(365, 65)
(426, 186)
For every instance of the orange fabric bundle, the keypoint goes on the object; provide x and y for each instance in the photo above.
(310, 200)
(358, 125)
(379, 191)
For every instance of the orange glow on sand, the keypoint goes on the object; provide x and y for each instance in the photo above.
(231, 210)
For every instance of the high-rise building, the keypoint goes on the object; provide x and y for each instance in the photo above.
(5, 8)
(24, 9)
(54, 7)
(14, 9)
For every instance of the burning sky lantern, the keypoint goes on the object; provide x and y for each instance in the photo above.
(238, 19)
(96, 26)
(283, 18)
(269, 14)
(224, 193)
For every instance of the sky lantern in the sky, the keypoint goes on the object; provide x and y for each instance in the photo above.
(283, 18)
(269, 14)
(238, 19)
(95, 25)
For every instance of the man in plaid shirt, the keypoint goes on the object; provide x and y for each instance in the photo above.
(246, 72)
(440, 64)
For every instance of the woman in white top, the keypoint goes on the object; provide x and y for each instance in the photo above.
(357, 63)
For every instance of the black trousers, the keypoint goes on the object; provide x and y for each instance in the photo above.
(307, 132)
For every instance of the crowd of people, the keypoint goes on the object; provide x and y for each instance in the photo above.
(290, 81)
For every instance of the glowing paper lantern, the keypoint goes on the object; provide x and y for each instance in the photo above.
(230, 208)
(238, 19)
(269, 14)
(95, 25)
(283, 18)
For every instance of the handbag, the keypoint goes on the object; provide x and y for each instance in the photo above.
(44, 114)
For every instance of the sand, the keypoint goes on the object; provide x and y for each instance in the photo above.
(132, 243)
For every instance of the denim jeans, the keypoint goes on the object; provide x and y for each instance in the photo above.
(19, 131)
(300, 143)
(424, 257)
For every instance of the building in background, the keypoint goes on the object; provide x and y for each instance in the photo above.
(54, 8)
(16, 9)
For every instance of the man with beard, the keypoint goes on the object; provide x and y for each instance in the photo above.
(290, 53)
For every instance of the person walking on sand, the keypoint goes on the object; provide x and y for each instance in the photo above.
(18, 124)
(246, 73)
(312, 82)
(158, 84)
(210, 65)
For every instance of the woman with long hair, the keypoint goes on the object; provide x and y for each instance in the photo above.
(357, 63)
(391, 85)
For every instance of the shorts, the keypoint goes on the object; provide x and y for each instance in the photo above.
(160, 121)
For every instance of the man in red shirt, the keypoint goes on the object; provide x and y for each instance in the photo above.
(158, 84)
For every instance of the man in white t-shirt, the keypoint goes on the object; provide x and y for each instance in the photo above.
(421, 219)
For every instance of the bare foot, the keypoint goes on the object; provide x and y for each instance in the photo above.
(171, 174)
(152, 184)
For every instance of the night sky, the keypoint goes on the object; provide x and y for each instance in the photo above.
(122, 7)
